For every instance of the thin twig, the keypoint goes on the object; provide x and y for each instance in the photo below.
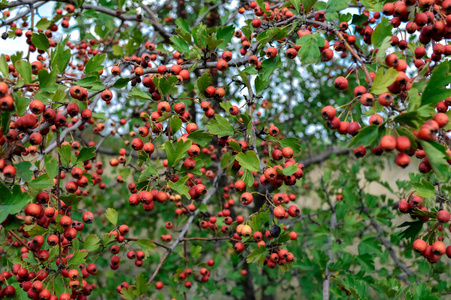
(212, 191)
(332, 225)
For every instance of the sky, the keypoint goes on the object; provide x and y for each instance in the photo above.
(11, 46)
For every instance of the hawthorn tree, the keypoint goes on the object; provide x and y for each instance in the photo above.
(203, 149)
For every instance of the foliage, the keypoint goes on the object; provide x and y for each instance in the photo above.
(184, 137)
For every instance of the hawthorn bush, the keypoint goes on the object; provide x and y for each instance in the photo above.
(191, 149)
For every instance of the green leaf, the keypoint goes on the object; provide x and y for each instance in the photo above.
(265, 36)
(320, 5)
(24, 69)
(366, 136)
(225, 34)
(118, 50)
(43, 24)
(70, 199)
(263, 7)
(333, 7)
(86, 154)
(111, 215)
(297, 5)
(138, 94)
(235, 146)
(141, 284)
(412, 230)
(436, 89)
(95, 64)
(382, 81)
(125, 172)
(369, 245)
(183, 31)
(249, 161)
(382, 30)
(182, 24)
(175, 124)
(47, 81)
(203, 207)
(36, 230)
(203, 82)
(100, 115)
(359, 19)
(306, 4)
(12, 202)
(291, 142)
(21, 105)
(195, 251)
(121, 83)
(60, 56)
(424, 189)
(178, 153)
(146, 244)
(200, 137)
(40, 41)
(65, 154)
(220, 126)
(180, 186)
(165, 84)
(366, 262)
(91, 243)
(415, 100)
(290, 170)
(248, 178)
(310, 44)
(199, 34)
(248, 30)
(412, 119)
(147, 173)
(269, 65)
(91, 82)
(78, 258)
(128, 293)
(436, 153)
(106, 239)
(179, 44)
(42, 182)
(373, 5)
(260, 219)
(260, 84)
(4, 66)
(5, 120)
(345, 17)
(226, 105)
(257, 254)
(426, 111)
(23, 171)
(165, 116)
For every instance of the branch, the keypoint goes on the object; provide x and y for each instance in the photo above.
(249, 107)
(353, 53)
(384, 240)
(212, 239)
(201, 18)
(333, 224)
(66, 131)
(156, 243)
(20, 16)
(324, 156)
(181, 237)
(155, 23)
